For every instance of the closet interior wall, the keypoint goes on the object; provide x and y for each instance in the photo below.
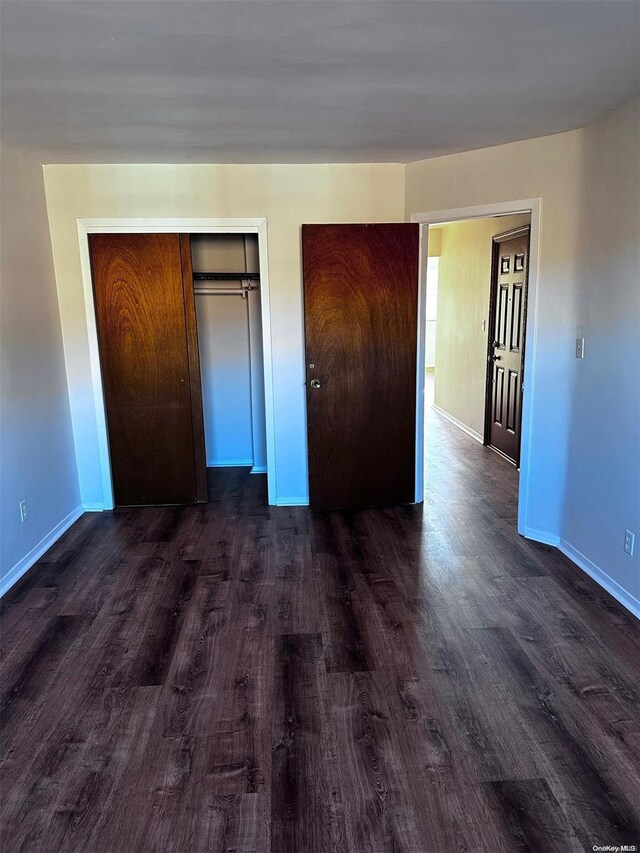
(231, 360)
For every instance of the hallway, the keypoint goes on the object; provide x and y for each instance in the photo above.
(238, 677)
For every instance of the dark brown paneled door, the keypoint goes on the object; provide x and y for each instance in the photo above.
(506, 335)
(360, 308)
(145, 312)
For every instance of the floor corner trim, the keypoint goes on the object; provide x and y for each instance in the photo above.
(22, 566)
(542, 536)
(623, 596)
(453, 420)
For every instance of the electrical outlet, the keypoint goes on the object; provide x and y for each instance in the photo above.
(629, 542)
(23, 510)
(579, 347)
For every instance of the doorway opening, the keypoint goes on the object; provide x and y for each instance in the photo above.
(472, 357)
(260, 366)
(431, 316)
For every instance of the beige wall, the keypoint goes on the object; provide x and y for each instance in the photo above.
(37, 461)
(464, 275)
(286, 195)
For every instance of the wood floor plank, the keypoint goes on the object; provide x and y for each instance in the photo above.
(381, 814)
(152, 639)
(24, 682)
(343, 616)
(22, 618)
(596, 785)
(90, 803)
(185, 697)
(564, 645)
(306, 807)
(173, 802)
(533, 820)
(295, 579)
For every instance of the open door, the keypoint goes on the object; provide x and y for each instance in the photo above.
(361, 320)
(507, 323)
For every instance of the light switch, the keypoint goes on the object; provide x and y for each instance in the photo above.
(629, 542)
(579, 347)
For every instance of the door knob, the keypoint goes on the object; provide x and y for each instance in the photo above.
(315, 383)
(494, 357)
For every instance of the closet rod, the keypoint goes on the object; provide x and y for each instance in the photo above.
(226, 276)
(224, 291)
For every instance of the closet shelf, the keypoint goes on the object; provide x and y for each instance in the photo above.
(226, 276)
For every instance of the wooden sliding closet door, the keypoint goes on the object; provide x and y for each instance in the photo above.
(146, 321)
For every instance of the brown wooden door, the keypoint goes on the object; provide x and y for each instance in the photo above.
(145, 314)
(360, 307)
(506, 335)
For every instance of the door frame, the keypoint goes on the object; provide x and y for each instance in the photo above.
(512, 233)
(173, 226)
(532, 206)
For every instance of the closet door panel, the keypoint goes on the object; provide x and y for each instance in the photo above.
(142, 329)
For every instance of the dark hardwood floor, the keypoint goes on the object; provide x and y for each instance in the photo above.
(237, 677)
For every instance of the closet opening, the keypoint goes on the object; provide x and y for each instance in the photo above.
(180, 340)
(226, 286)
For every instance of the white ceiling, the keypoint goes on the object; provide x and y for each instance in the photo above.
(310, 81)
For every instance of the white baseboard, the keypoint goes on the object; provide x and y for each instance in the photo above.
(93, 507)
(229, 463)
(259, 469)
(626, 599)
(458, 423)
(293, 501)
(542, 536)
(23, 565)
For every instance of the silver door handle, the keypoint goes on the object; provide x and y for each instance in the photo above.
(315, 383)
(494, 357)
